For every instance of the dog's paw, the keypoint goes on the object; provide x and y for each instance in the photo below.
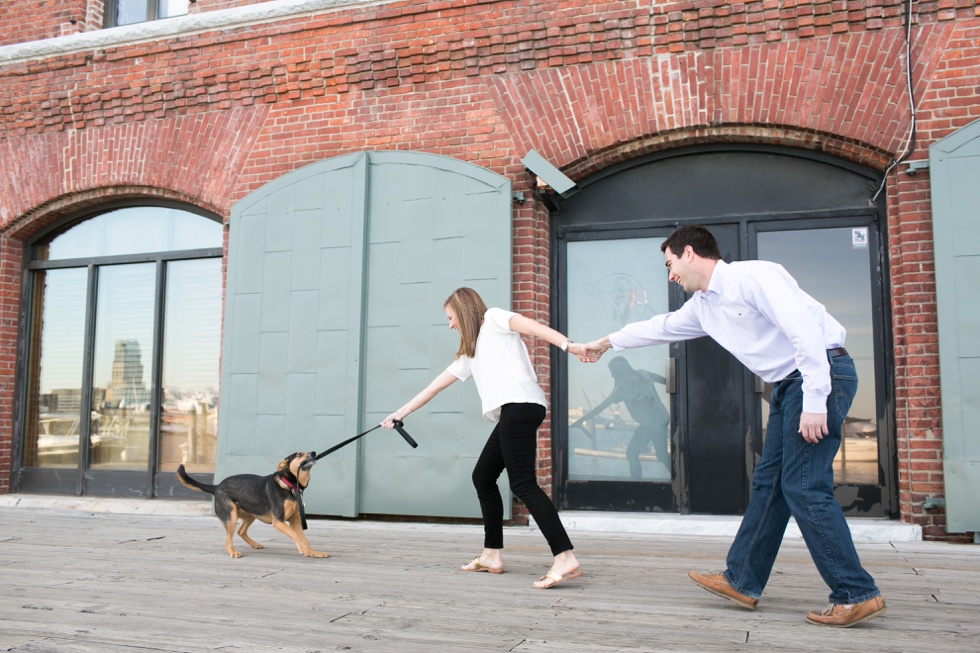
(316, 554)
(234, 554)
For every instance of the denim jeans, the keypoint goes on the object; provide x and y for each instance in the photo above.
(513, 445)
(797, 477)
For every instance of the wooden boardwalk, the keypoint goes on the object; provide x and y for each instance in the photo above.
(76, 581)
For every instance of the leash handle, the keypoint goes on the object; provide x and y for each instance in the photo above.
(398, 427)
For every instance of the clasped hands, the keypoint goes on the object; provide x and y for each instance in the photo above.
(588, 352)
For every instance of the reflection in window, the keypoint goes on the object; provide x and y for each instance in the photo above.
(55, 375)
(128, 12)
(191, 341)
(618, 412)
(123, 362)
(833, 266)
(132, 230)
(113, 409)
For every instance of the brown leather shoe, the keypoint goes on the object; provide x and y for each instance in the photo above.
(845, 616)
(717, 584)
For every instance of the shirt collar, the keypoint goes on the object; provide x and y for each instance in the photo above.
(716, 284)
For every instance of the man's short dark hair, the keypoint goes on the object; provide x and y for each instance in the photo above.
(699, 238)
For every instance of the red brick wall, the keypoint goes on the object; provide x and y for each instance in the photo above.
(22, 21)
(209, 117)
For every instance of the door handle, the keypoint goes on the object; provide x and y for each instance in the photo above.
(671, 374)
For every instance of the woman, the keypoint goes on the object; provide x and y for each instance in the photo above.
(492, 352)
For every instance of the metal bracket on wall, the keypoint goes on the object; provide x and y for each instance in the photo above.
(915, 166)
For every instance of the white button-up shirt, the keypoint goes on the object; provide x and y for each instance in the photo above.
(500, 367)
(758, 312)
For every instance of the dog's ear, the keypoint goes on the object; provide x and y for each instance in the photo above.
(283, 464)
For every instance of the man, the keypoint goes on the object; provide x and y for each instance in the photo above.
(758, 312)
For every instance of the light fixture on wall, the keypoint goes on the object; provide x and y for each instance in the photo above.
(548, 177)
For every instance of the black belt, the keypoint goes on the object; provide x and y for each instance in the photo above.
(837, 351)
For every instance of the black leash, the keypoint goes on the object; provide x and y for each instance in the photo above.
(398, 427)
(298, 491)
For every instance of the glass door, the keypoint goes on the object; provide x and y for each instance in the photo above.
(834, 266)
(619, 449)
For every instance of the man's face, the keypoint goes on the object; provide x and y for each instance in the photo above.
(680, 270)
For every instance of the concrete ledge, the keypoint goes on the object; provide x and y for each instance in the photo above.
(862, 529)
(108, 504)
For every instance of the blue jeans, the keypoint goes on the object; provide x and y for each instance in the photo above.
(796, 477)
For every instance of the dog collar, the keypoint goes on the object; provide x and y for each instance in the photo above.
(289, 486)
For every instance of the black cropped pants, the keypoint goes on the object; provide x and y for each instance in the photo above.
(513, 446)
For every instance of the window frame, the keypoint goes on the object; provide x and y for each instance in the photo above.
(111, 17)
(151, 482)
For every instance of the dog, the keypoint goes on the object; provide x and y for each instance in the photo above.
(273, 499)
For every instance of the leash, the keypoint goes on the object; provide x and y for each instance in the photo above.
(298, 491)
(398, 427)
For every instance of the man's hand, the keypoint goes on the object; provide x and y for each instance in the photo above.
(599, 347)
(813, 426)
(583, 353)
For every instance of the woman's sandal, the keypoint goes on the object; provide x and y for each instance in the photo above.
(552, 578)
(476, 565)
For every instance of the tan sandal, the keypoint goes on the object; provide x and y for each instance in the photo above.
(476, 565)
(552, 578)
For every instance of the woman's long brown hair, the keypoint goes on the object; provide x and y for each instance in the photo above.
(469, 309)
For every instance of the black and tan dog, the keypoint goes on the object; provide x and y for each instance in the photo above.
(271, 499)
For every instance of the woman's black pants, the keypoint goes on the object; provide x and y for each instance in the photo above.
(513, 445)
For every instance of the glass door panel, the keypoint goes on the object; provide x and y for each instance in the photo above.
(191, 346)
(122, 367)
(618, 409)
(54, 399)
(832, 265)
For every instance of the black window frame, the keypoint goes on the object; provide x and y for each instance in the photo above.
(111, 16)
(39, 480)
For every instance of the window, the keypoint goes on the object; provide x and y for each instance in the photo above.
(128, 12)
(123, 333)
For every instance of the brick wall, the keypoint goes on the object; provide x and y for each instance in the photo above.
(21, 22)
(209, 117)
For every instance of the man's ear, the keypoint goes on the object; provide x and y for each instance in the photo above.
(688, 250)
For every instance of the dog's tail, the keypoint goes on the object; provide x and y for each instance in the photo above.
(189, 482)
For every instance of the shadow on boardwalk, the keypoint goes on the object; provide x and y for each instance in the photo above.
(80, 581)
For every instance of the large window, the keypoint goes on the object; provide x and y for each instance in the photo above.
(127, 12)
(123, 346)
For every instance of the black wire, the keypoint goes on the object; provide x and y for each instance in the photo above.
(910, 146)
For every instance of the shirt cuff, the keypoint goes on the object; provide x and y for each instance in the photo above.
(817, 405)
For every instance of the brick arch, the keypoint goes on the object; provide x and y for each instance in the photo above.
(37, 220)
(763, 135)
(843, 94)
(198, 157)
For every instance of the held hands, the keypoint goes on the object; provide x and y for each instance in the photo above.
(583, 352)
(598, 347)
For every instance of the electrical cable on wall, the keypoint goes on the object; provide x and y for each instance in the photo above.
(910, 141)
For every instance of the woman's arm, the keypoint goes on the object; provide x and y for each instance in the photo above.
(438, 384)
(529, 327)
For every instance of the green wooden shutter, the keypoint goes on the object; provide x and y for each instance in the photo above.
(954, 163)
(333, 319)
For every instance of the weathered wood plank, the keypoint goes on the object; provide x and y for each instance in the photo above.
(77, 582)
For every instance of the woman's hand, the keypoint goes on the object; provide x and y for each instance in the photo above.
(389, 422)
(600, 346)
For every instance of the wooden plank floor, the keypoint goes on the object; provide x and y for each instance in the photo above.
(75, 581)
